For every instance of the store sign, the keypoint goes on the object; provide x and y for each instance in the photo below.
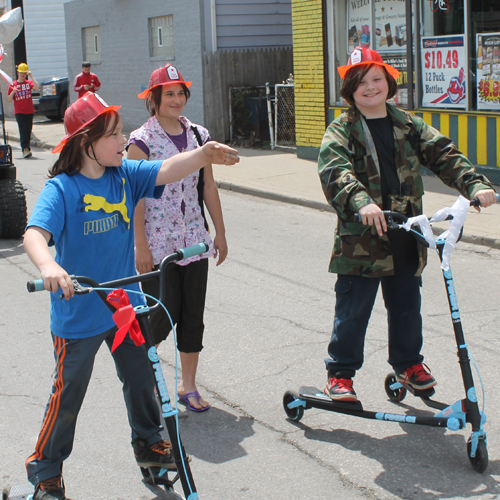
(488, 71)
(443, 72)
(389, 25)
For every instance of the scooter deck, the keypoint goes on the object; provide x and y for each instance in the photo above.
(18, 492)
(316, 398)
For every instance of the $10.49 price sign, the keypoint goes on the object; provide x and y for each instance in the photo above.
(443, 72)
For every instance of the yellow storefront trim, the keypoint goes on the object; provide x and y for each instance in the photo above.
(498, 141)
(482, 153)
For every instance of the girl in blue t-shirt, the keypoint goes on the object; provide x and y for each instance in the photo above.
(86, 210)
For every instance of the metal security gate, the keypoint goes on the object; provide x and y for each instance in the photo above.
(284, 116)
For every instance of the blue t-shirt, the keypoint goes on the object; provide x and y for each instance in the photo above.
(92, 227)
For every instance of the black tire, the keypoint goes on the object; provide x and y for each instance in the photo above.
(396, 395)
(480, 461)
(294, 414)
(13, 210)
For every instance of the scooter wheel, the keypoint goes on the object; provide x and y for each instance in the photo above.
(480, 461)
(395, 395)
(294, 414)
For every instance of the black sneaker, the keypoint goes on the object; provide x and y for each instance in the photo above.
(340, 389)
(50, 489)
(418, 376)
(157, 455)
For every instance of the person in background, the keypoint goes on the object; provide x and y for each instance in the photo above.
(370, 160)
(86, 81)
(20, 92)
(177, 220)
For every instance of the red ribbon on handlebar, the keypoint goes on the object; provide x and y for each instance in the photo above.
(124, 318)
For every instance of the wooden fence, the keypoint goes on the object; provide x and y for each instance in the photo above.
(238, 68)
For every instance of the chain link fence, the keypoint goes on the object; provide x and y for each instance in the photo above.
(284, 116)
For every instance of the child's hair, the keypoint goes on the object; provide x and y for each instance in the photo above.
(353, 78)
(70, 159)
(154, 101)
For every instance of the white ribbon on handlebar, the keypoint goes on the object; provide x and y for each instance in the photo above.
(459, 212)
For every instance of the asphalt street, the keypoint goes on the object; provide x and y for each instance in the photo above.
(268, 320)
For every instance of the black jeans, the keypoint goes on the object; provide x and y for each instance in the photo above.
(355, 298)
(25, 124)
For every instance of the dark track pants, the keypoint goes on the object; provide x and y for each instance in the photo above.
(74, 364)
(25, 124)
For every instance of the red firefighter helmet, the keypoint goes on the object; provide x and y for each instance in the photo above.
(81, 113)
(166, 75)
(362, 56)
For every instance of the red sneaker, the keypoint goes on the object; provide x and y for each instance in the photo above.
(418, 376)
(340, 389)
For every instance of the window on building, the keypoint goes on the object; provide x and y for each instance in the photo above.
(161, 37)
(485, 54)
(381, 26)
(458, 40)
(91, 44)
(442, 17)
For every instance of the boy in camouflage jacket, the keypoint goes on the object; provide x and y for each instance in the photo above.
(362, 173)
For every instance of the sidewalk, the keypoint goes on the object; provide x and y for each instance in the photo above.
(281, 176)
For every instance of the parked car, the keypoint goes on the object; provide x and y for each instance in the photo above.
(53, 99)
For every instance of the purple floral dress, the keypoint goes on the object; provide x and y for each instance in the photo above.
(175, 220)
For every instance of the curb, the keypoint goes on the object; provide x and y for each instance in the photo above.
(323, 206)
(268, 195)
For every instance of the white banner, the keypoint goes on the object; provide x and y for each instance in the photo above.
(443, 72)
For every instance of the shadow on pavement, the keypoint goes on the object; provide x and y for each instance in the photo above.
(424, 463)
(214, 435)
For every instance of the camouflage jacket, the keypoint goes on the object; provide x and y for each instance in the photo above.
(350, 180)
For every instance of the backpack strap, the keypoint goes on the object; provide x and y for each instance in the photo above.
(201, 182)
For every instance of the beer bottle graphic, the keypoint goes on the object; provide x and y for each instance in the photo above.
(388, 34)
(479, 52)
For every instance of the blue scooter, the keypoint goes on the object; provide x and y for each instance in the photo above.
(453, 417)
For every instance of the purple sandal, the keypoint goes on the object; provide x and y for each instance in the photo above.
(184, 399)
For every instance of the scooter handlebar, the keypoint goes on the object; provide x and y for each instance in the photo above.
(183, 253)
(35, 285)
(476, 203)
(193, 250)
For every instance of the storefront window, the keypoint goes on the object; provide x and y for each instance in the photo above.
(458, 68)
(485, 54)
(381, 26)
(442, 17)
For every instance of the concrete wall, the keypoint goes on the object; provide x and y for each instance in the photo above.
(126, 65)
